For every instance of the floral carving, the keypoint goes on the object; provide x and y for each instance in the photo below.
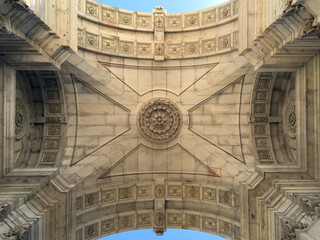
(159, 49)
(175, 219)
(192, 20)
(109, 44)
(126, 48)
(174, 191)
(209, 46)
(209, 224)
(125, 19)
(225, 42)
(208, 194)
(144, 21)
(91, 231)
(126, 222)
(143, 191)
(144, 219)
(91, 199)
(193, 192)
(224, 12)
(159, 120)
(4, 210)
(92, 10)
(109, 195)
(159, 191)
(289, 227)
(174, 22)
(209, 17)
(107, 226)
(125, 193)
(291, 120)
(92, 40)
(108, 16)
(159, 21)
(225, 228)
(192, 48)
(144, 49)
(192, 220)
(174, 49)
(159, 219)
(20, 120)
(225, 197)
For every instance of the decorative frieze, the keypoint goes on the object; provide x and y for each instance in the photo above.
(192, 220)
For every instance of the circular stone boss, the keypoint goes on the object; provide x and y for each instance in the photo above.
(159, 120)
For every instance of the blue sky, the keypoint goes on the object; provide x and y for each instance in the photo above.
(170, 234)
(172, 6)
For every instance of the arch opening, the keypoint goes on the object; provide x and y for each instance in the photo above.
(170, 6)
(170, 234)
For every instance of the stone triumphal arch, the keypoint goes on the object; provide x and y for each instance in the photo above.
(113, 120)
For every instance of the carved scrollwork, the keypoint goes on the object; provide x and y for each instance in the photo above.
(309, 206)
(4, 210)
(289, 228)
(21, 232)
(159, 120)
(20, 120)
(290, 119)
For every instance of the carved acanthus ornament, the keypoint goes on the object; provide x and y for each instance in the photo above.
(21, 232)
(20, 120)
(159, 120)
(289, 227)
(4, 210)
(311, 206)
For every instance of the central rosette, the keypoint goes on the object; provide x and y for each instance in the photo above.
(159, 120)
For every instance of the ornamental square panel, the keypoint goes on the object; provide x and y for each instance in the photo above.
(224, 42)
(174, 22)
(54, 108)
(209, 194)
(264, 81)
(144, 219)
(126, 222)
(191, 48)
(174, 191)
(92, 40)
(192, 220)
(192, 192)
(126, 19)
(174, 218)
(225, 197)
(126, 48)
(262, 142)
(109, 44)
(49, 157)
(51, 145)
(262, 95)
(144, 49)
(225, 228)
(209, 17)
(91, 231)
(159, 191)
(191, 20)
(209, 45)
(260, 108)
(260, 129)
(54, 131)
(159, 49)
(108, 226)
(224, 12)
(126, 193)
(209, 224)
(91, 200)
(264, 154)
(144, 191)
(108, 15)
(52, 95)
(92, 10)
(144, 21)
(109, 195)
(174, 49)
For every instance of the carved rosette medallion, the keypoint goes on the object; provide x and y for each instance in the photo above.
(20, 120)
(290, 119)
(159, 120)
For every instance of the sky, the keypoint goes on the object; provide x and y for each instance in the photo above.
(172, 6)
(170, 234)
